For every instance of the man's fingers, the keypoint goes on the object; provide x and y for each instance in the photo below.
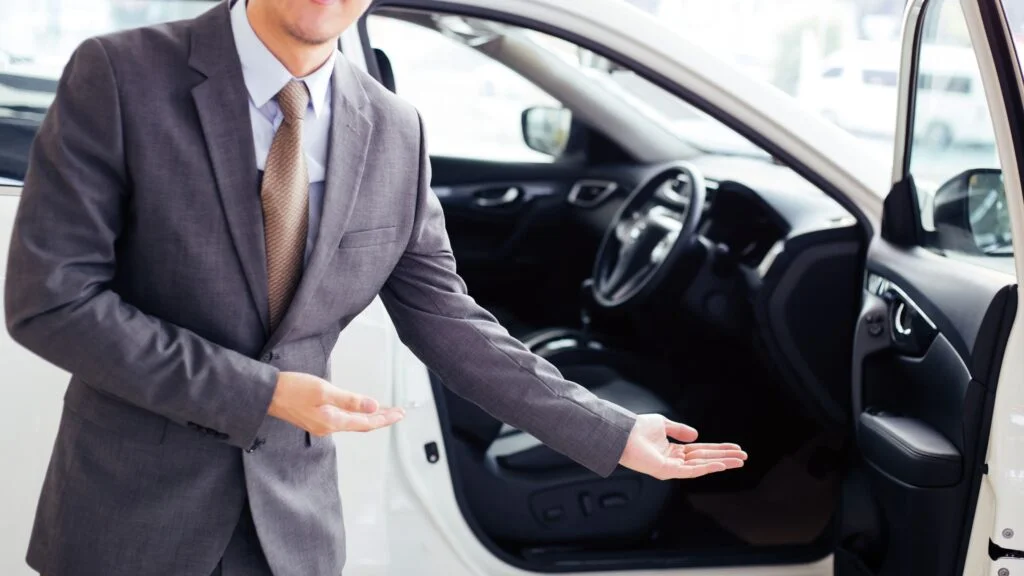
(389, 416)
(699, 446)
(362, 423)
(383, 418)
(715, 454)
(678, 468)
(332, 418)
(350, 401)
(729, 463)
(684, 471)
(680, 432)
(688, 451)
(368, 422)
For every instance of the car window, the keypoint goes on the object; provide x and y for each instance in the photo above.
(36, 41)
(462, 121)
(801, 47)
(952, 149)
(838, 58)
(472, 106)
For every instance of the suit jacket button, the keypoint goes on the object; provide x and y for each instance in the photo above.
(267, 357)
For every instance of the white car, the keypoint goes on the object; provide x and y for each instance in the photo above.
(857, 86)
(857, 90)
(858, 334)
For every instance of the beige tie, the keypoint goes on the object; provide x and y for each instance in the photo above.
(285, 198)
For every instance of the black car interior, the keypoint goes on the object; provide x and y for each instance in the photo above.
(928, 348)
(728, 340)
(733, 304)
(722, 329)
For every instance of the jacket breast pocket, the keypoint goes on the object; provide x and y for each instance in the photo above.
(365, 238)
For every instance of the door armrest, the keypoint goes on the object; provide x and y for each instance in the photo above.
(909, 450)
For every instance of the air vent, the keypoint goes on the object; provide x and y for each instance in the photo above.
(590, 193)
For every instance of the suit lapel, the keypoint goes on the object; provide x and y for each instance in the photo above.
(223, 106)
(347, 150)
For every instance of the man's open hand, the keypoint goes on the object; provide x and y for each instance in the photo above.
(649, 451)
(319, 408)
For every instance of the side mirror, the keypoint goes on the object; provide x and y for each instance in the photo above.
(971, 215)
(546, 129)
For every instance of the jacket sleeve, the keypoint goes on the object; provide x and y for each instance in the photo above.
(477, 359)
(58, 299)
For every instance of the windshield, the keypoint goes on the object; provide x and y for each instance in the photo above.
(685, 121)
(700, 131)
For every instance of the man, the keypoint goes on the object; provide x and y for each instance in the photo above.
(208, 204)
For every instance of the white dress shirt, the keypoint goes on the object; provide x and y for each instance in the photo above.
(265, 76)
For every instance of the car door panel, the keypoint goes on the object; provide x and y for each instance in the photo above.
(510, 233)
(922, 361)
(931, 334)
(30, 429)
(947, 280)
(908, 450)
(489, 221)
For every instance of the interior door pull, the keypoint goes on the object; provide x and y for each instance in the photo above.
(498, 197)
(900, 320)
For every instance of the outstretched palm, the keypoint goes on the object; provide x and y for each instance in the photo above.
(649, 451)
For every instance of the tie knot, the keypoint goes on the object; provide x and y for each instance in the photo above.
(293, 100)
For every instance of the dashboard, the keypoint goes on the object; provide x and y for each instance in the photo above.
(783, 263)
(737, 219)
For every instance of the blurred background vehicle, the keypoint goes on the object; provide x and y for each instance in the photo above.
(857, 90)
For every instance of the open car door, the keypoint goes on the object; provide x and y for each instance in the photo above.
(932, 362)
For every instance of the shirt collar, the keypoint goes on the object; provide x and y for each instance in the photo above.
(264, 74)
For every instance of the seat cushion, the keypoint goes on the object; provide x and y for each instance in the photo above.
(517, 450)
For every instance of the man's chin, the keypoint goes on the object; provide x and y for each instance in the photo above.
(319, 41)
(313, 38)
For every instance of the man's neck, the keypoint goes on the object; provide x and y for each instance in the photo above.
(300, 58)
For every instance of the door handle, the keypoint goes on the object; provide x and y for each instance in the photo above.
(901, 321)
(497, 197)
(912, 332)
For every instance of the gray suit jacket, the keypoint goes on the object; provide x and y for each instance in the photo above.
(137, 264)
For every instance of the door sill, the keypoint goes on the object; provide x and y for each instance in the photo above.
(569, 560)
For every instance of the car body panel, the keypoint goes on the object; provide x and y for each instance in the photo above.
(999, 514)
(938, 380)
(30, 429)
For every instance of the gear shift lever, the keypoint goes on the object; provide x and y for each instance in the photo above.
(586, 305)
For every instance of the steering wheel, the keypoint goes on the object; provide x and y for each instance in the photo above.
(654, 227)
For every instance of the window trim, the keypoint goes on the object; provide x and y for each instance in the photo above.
(916, 17)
